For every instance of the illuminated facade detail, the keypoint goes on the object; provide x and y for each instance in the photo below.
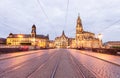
(62, 41)
(72, 43)
(51, 44)
(85, 39)
(33, 32)
(28, 39)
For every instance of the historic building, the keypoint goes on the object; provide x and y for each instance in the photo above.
(2, 41)
(51, 44)
(112, 44)
(28, 39)
(72, 43)
(62, 41)
(85, 39)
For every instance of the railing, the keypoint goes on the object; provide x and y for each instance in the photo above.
(102, 50)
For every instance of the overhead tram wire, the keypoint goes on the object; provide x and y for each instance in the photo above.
(107, 27)
(99, 10)
(9, 26)
(45, 13)
(42, 8)
(66, 16)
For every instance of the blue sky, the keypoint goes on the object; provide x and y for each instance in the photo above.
(98, 16)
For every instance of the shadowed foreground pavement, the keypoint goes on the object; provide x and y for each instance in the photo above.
(56, 63)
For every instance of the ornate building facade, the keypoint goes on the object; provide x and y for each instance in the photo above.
(85, 39)
(28, 39)
(62, 41)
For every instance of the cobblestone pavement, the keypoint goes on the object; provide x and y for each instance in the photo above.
(100, 67)
(56, 63)
(111, 58)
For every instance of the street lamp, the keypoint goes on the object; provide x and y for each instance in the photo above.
(100, 36)
(100, 39)
(20, 36)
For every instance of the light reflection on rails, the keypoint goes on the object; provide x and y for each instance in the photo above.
(19, 55)
(43, 64)
(80, 70)
(15, 67)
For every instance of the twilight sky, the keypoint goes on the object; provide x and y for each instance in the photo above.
(49, 16)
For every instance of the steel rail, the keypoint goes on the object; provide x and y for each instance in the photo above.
(56, 67)
(15, 67)
(42, 65)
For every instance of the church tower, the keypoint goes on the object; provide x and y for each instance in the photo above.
(79, 27)
(63, 34)
(33, 32)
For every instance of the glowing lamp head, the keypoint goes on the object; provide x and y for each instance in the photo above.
(20, 36)
(100, 36)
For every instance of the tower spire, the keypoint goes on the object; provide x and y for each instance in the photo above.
(78, 20)
(63, 32)
(78, 14)
(79, 27)
(33, 32)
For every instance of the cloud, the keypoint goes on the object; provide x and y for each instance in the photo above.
(18, 16)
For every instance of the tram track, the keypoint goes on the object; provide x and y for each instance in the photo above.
(56, 67)
(44, 64)
(81, 70)
(54, 64)
(15, 67)
(18, 56)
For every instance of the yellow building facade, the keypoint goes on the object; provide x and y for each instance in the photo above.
(85, 39)
(62, 41)
(28, 39)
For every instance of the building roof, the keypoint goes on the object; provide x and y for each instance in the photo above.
(88, 32)
(42, 36)
(2, 40)
(63, 35)
(33, 26)
(26, 36)
(113, 42)
(19, 35)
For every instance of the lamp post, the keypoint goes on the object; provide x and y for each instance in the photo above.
(100, 39)
(100, 36)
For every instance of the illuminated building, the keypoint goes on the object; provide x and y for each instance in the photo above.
(72, 43)
(62, 41)
(28, 39)
(85, 39)
(51, 44)
(112, 44)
